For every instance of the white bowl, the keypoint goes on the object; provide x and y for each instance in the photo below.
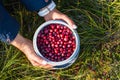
(64, 63)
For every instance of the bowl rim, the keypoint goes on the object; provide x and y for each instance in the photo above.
(68, 60)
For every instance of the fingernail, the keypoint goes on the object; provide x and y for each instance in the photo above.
(74, 27)
(44, 62)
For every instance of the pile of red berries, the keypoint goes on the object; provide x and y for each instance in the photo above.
(56, 42)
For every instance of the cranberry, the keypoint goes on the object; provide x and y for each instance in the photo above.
(60, 31)
(52, 45)
(66, 38)
(52, 26)
(61, 35)
(70, 42)
(51, 30)
(56, 42)
(56, 45)
(58, 26)
(55, 30)
(68, 45)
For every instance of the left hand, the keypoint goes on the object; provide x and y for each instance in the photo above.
(55, 14)
(26, 46)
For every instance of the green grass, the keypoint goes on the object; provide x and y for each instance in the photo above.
(98, 24)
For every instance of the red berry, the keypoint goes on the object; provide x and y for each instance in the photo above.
(56, 42)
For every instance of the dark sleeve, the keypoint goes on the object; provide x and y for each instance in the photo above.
(35, 5)
(9, 27)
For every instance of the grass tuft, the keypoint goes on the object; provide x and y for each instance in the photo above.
(98, 24)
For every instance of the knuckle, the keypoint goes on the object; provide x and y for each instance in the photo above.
(65, 16)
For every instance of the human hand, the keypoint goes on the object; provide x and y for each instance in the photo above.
(33, 58)
(26, 47)
(55, 14)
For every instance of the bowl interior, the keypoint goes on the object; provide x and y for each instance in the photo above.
(73, 56)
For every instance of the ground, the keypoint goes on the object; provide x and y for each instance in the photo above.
(98, 24)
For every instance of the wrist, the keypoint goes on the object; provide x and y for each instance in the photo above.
(46, 10)
(19, 42)
(52, 15)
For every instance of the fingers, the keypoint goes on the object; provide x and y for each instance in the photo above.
(69, 21)
(55, 14)
(38, 62)
(47, 66)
